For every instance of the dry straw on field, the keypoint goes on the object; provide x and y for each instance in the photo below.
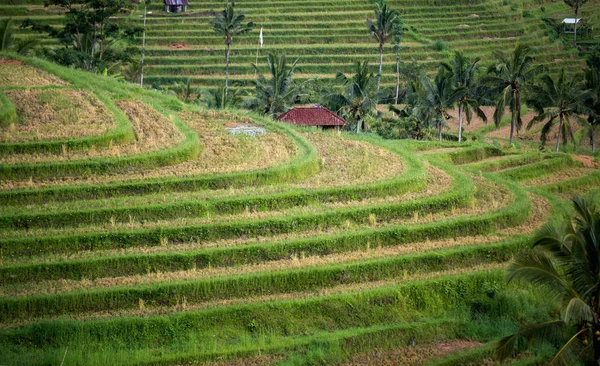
(18, 75)
(152, 131)
(52, 114)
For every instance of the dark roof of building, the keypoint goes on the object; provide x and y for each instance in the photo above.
(312, 116)
(176, 2)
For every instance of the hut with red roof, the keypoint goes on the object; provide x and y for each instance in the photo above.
(313, 116)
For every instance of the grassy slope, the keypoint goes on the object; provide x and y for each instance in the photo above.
(329, 37)
(327, 265)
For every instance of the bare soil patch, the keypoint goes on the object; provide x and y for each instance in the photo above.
(19, 75)
(412, 355)
(5, 61)
(588, 161)
(179, 46)
(53, 114)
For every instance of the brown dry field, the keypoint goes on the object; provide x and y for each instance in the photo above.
(18, 75)
(152, 131)
(54, 114)
(359, 163)
(222, 152)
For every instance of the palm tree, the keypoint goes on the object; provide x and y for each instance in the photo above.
(592, 103)
(274, 95)
(565, 263)
(464, 73)
(359, 98)
(511, 75)
(575, 4)
(557, 99)
(228, 23)
(386, 26)
(441, 95)
(7, 41)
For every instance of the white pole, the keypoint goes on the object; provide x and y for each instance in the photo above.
(260, 43)
(143, 45)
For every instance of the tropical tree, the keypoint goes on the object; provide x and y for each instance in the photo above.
(557, 99)
(89, 33)
(7, 42)
(276, 94)
(575, 4)
(509, 75)
(565, 263)
(387, 26)
(229, 23)
(184, 91)
(441, 95)
(465, 76)
(216, 99)
(359, 97)
(592, 123)
(415, 116)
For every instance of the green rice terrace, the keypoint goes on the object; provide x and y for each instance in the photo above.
(168, 240)
(327, 36)
(138, 228)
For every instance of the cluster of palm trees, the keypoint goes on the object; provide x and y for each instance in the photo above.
(511, 81)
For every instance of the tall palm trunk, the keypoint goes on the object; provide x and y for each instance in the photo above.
(380, 66)
(460, 121)
(593, 141)
(397, 75)
(560, 124)
(227, 67)
(575, 28)
(513, 121)
(440, 127)
(143, 46)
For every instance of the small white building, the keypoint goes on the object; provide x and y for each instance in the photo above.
(569, 24)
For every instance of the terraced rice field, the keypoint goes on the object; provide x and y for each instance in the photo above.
(328, 37)
(167, 240)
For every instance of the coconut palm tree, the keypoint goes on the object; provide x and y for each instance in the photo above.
(465, 75)
(592, 123)
(359, 97)
(276, 94)
(510, 74)
(575, 4)
(229, 23)
(386, 26)
(441, 95)
(565, 263)
(557, 99)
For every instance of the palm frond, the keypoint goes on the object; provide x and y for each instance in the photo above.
(507, 346)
